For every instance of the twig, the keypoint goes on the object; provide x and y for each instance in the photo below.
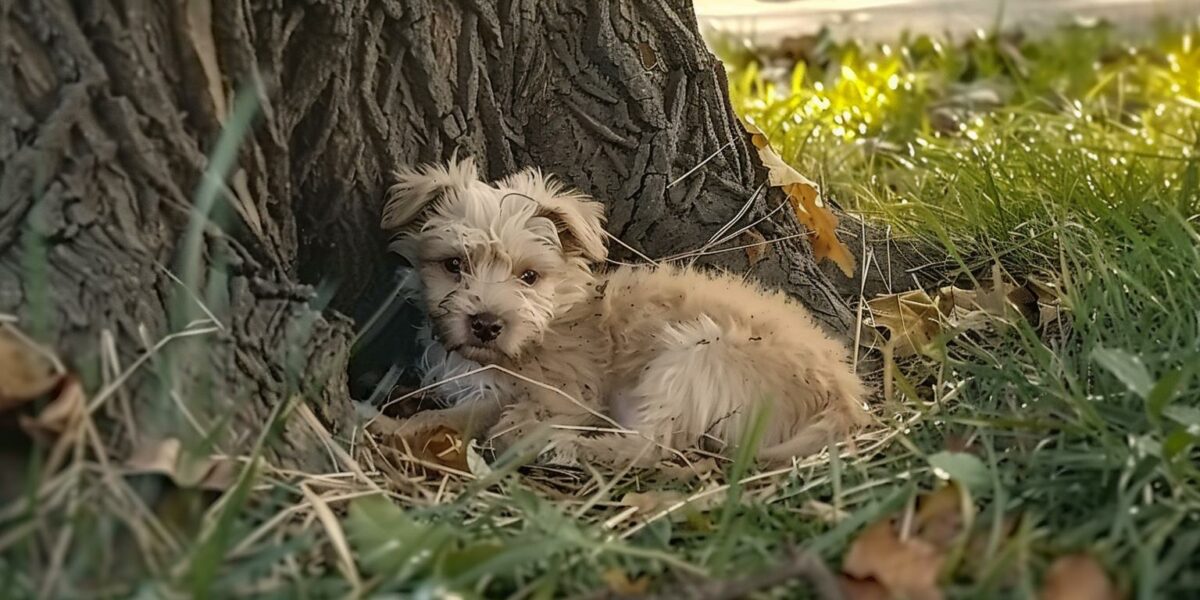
(631, 249)
(700, 164)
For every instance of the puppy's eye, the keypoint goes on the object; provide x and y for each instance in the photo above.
(453, 265)
(530, 276)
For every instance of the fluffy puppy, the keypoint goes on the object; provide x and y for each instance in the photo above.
(660, 359)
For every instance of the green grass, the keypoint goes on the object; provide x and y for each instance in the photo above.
(1086, 173)
(1086, 427)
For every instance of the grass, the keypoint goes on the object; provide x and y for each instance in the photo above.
(1068, 157)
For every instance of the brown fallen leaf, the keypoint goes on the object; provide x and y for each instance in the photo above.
(804, 196)
(1049, 299)
(440, 445)
(942, 516)
(915, 319)
(907, 568)
(908, 564)
(436, 444)
(25, 373)
(61, 415)
(911, 318)
(169, 458)
(1077, 577)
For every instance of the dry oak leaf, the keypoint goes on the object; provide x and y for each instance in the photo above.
(915, 319)
(438, 445)
(25, 373)
(61, 414)
(907, 568)
(1077, 577)
(805, 198)
(911, 318)
(168, 458)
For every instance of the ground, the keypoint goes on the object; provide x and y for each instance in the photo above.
(1055, 412)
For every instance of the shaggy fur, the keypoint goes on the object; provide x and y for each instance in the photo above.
(676, 357)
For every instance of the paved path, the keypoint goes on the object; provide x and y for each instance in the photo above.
(768, 20)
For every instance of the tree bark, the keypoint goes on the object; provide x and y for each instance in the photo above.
(111, 108)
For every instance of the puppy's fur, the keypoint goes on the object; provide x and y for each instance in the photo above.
(678, 357)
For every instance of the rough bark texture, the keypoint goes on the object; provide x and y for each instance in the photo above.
(108, 109)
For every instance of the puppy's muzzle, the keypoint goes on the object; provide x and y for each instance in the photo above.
(486, 326)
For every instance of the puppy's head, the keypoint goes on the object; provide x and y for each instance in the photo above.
(499, 262)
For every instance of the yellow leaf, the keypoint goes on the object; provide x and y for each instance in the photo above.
(804, 196)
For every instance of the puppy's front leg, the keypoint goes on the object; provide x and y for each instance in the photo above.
(570, 438)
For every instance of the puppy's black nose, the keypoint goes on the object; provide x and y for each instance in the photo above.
(486, 326)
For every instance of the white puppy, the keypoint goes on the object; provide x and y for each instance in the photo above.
(674, 357)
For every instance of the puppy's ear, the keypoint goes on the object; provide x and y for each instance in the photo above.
(578, 218)
(416, 188)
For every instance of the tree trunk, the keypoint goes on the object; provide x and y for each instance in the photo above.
(111, 109)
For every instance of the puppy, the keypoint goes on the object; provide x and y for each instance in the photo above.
(657, 359)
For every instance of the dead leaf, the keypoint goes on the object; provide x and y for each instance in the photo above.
(1077, 577)
(445, 446)
(620, 583)
(804, 196)
(756, 246)
(942, 516)
(907, 568)
(170, 459)
(911, 318)
(914, 319)
(61, 414)
(1048, 297)
(440, 445)
(908, 564)
(25, 373)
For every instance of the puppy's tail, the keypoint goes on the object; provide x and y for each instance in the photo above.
(835, 423)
